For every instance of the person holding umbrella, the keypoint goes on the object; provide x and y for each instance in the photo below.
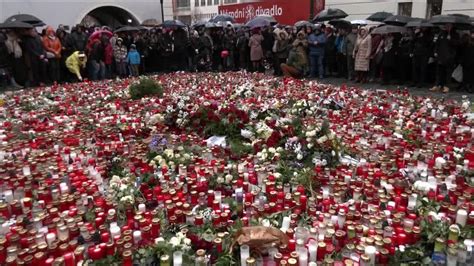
(256, 50)
(36, 58)
(445, 45)
(362, 53)
(316, 42)
(421, 48)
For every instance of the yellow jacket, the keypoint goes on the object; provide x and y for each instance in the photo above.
(74, 64)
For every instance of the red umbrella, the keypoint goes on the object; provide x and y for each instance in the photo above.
(97, 34)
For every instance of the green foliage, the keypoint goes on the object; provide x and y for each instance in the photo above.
(146, 87)
(114, 260)
(239, 148)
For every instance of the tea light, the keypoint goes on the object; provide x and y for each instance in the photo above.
(50, 238)
(177, 258)
(370, 251)
(114, 230)
(461, 217)
(26, 171)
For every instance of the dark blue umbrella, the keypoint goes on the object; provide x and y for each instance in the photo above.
(173, 23)
(258, 22)
(222, 17)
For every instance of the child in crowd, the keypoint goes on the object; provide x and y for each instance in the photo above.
(133, 59)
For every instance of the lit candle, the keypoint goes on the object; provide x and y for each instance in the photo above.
(114, 230)
(244, 254)
(26, 170)
(177, 258)
(461, 217)
(370, 251)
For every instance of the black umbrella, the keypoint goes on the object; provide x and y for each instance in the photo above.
(449, 19)
(15, 25)
(303, 23)
(128, 29)
(340, 23)
(379, 16)
(222, 17)
(173, 23)
(330, 14)
(398, 20)
(258, 22)
(419, 23)
(30, 19)
(386, 29)
(199, 24)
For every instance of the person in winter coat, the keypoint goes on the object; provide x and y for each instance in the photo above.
(296, 65)
(75, 63)
(317, 42)
(348, 50)
(96, 58)
(301, 46)
(108, 59)
(256, 50)
(389, 59)
(445, 47)
(53, 48)
(467, 63)
(281, 49)
(133, 59)
(14, 58)
(120, 56)
(36, 58)
(229, 46)
(243, 49)
(420, 53)
(361, 54)
(330, 52)
(78, 39)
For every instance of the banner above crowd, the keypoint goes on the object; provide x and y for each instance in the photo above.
(285, 12)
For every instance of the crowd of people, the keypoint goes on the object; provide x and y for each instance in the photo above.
(420, 57)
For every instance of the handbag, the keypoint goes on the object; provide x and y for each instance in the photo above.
(457, 74)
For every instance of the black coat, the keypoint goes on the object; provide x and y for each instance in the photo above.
(445, 47)
(421, 45)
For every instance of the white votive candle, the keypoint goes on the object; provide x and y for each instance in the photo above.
(370, 251)
(313, 249)
(142, 207)
(50, 237)
(8, 194)
(114, 231)
(177, 258)
(285, 224)
(137, 237)
(303, 258)
(461, 217)
(244, 254)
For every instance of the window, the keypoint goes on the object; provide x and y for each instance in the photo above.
(230, 1)
(183, 3)
(404, 9)
(209, 2)
(433, 8)
(203, 2)
(216, 2)
(196, 2)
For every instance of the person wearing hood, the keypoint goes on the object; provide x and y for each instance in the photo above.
(301, 46)
(78, 39)
(75, 63)
(281, 49)
(133, 59)
(52, 46)
(317, 43)
(120, 56)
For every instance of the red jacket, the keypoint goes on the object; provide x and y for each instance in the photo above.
(109, 54)
(52, 45)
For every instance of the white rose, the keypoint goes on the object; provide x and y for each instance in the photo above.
(272, 150)
(187, 241)
(310, 145)
(322, 139)
(174, 241)
(299, 157)
(159, 239)
(279, 149)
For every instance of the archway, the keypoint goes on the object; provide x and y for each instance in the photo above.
(111, 16)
